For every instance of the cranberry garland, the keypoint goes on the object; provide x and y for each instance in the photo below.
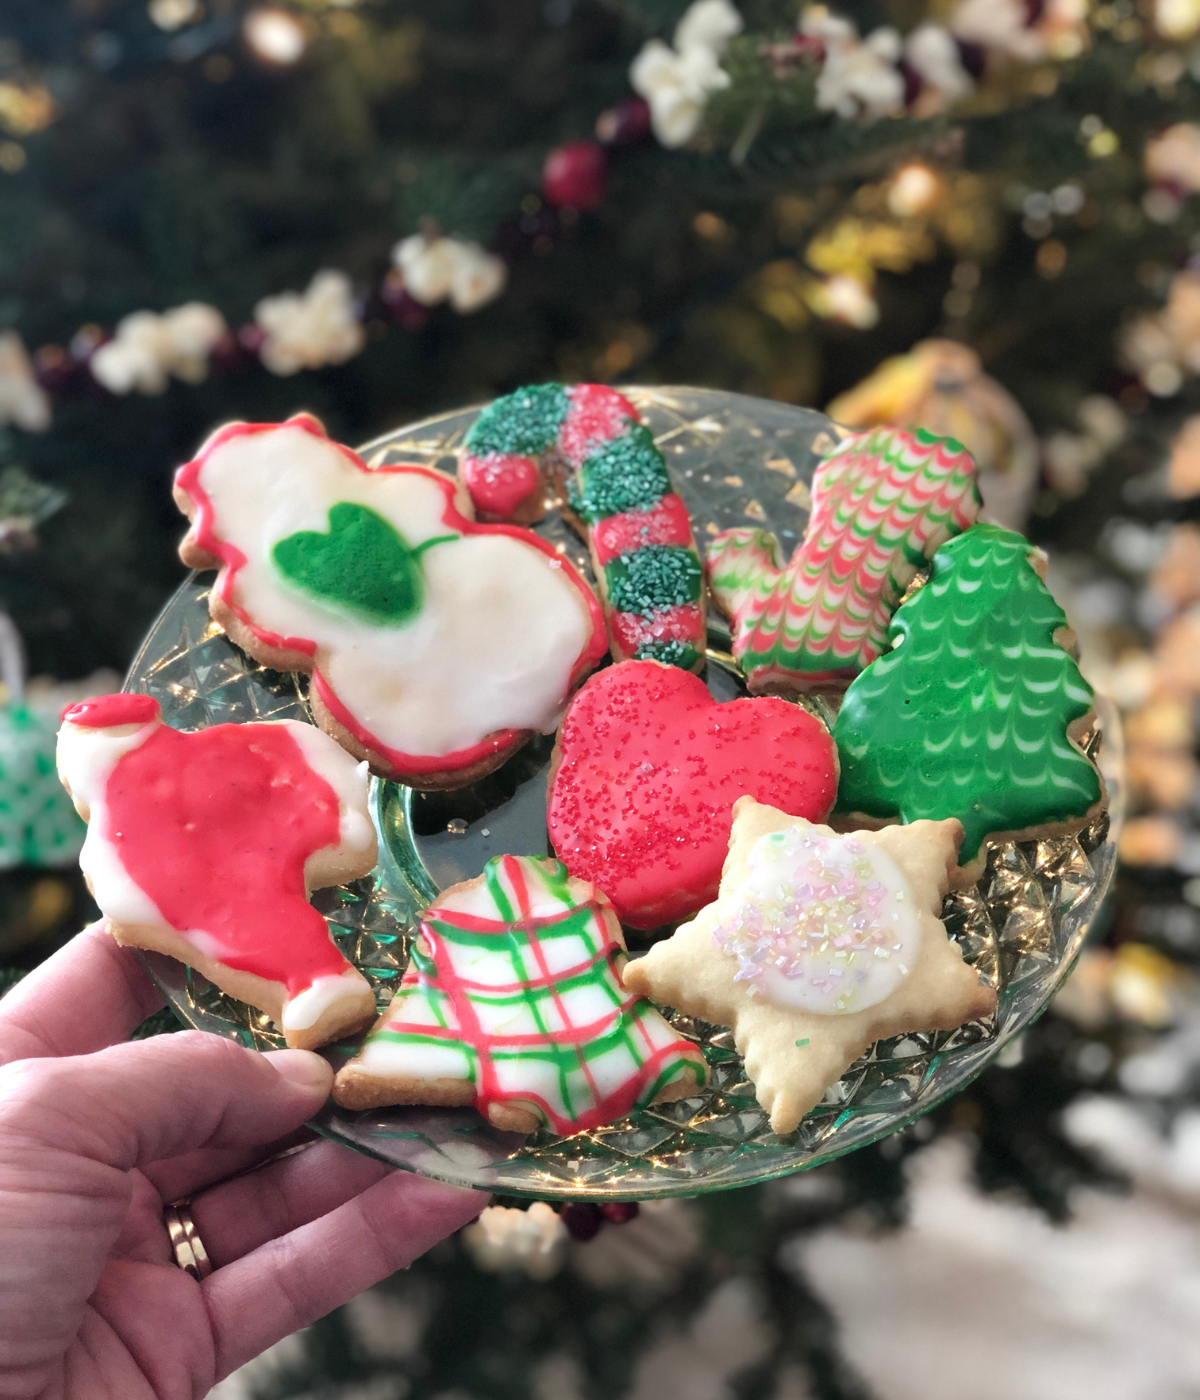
(574, 180)
(584, 1219)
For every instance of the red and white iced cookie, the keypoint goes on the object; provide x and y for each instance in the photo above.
(645, 774)
(437, 645)
(206, 846)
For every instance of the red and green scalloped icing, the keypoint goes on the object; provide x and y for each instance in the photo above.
(883, 502)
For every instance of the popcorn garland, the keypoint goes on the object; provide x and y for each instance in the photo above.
(860, 78)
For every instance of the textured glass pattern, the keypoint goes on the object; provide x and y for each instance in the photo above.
(736, 461)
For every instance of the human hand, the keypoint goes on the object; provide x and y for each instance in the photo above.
(98, 1134)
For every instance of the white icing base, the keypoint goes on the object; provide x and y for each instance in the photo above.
(494, 644)
(841, 968)
(304, 1010)
(86, 757)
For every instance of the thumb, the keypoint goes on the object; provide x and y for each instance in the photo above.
(71, 1129)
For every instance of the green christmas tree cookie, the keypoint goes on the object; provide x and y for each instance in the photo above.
(974, 712)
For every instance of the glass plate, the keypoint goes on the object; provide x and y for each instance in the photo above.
(735, 460)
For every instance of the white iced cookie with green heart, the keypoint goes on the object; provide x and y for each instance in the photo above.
(817, 945)
(436, 645)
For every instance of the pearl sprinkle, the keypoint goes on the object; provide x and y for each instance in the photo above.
(822, 923)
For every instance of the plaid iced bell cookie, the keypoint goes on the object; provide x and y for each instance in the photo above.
(513, 1003)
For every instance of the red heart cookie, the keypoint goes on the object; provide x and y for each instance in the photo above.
(647, 769)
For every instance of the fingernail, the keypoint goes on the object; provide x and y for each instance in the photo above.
(302, 1068)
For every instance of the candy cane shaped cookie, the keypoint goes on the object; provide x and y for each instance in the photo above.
(590, 439)
(205, 847)
(883, 503)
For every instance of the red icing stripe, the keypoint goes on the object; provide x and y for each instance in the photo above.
(108, 711)
(216, 827)
(488, 1089)
(499, 482)
(665, 523)
(597, 414)
(678, 624)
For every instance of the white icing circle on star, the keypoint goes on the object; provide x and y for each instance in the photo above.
(825, 924)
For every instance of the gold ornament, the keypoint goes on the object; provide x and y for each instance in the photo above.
(940, 385)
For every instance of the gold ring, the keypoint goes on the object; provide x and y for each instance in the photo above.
(190, 1254)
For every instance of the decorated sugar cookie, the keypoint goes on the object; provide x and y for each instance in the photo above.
(513, 1002)
(437, 646)
(645, 774)
(883, 501)
(206, 846)
(976, 711)
(818, 945)
(590, 439)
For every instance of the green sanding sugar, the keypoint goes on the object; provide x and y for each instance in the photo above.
(670, 653)
(526, 421)
(627, 473)
(655, 577)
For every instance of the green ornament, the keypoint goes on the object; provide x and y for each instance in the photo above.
(363, 566)
(969, 714)
(38, 823)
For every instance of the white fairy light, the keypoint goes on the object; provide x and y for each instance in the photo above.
(275, 35)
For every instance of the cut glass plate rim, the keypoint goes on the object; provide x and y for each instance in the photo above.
(715, 1141)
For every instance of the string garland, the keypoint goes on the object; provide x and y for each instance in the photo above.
(858, 79)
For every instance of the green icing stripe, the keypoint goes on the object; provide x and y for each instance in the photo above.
(558, 1054)
(653, 578)
(967, 715)
(525, 422)
(625, 473)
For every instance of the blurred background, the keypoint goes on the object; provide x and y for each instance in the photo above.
(979, 216)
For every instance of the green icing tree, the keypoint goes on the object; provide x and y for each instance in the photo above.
(968, 715)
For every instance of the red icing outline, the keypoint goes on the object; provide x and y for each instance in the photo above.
(110, 711)
(187, 478)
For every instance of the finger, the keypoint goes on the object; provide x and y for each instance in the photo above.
(90, 994)
(237, 1216)
(70, 1130)
(292, 1281)
(141, 1102)
(178, 1178)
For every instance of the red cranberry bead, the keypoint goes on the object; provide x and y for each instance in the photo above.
(582, 1219)
(575, 174)
(404, 309)
(619, 1212)
(55, 369)
(252, 337)
(625, 124)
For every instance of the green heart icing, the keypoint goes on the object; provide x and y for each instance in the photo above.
(363, 566)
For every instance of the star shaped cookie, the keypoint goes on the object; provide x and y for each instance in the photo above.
(818, 945)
